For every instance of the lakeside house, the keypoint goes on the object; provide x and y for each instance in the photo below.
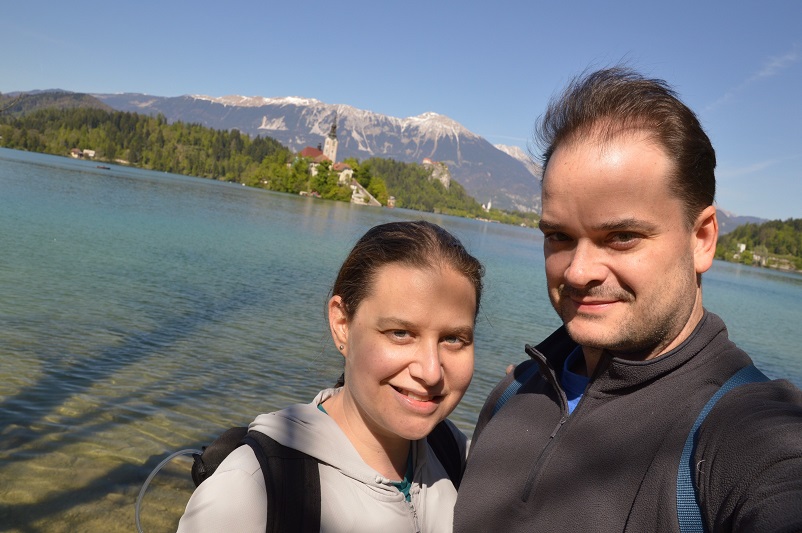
(77, 153)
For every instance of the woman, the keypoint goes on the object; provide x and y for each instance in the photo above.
(402, 314)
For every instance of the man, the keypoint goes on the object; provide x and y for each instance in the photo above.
(592, 440)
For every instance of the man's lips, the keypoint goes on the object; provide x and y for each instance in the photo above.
(591, 306)
(591, 302)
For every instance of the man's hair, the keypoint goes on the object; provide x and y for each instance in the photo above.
(614, 101)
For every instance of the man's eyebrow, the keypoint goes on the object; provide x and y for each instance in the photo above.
(623, 224)
(627, 224)
(544, 225)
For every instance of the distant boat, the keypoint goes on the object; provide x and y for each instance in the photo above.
(104, 167)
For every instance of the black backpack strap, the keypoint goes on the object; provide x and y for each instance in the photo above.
(206, 462)
(446, 448)
(292, 482)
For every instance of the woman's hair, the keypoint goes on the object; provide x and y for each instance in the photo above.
(417, 244)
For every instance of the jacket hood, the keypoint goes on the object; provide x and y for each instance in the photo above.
(307, 429)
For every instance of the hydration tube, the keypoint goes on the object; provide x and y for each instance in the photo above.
(150, 478)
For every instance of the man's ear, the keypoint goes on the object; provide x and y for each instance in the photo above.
(338, 323)
(705, 237)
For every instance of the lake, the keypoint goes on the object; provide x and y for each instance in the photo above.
(143, 313)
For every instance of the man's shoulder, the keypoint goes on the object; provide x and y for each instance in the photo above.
(749, 457)
(755, 416)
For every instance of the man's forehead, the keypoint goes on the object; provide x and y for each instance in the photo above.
(607, 152)
(603, 135)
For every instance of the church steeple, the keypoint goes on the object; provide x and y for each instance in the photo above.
(333, 131)
(330, 146)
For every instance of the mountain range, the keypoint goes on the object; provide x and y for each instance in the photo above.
(503, 175)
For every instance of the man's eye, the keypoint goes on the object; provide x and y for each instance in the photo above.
(625, 239)
(557, 237)
(399, 333)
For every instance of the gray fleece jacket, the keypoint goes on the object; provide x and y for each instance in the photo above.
(612, 464)
(354, 497)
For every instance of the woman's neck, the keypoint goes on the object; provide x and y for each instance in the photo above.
(387, 455)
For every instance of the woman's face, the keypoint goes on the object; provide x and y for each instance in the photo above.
(408, 350)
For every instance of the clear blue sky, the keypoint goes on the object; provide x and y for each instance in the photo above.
(491, 66)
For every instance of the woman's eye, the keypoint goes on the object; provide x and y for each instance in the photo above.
(455, 341)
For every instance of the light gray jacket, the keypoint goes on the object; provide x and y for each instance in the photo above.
(354, 497)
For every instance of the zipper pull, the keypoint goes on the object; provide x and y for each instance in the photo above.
(562, 421)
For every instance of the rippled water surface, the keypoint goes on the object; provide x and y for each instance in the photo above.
(143, 313)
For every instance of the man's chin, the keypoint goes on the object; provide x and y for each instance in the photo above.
(588, 333)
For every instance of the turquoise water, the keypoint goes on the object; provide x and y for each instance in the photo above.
(143, 313)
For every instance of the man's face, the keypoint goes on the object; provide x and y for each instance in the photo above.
(620, 261)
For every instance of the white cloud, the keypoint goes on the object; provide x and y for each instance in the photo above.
(771, 67)
(775, 64)
(753, 168)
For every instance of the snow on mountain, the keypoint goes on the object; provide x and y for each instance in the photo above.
(437, 125)
(518, 153)
(486, 173)
(256, 101)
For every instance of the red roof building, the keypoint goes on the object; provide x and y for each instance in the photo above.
(310, 152)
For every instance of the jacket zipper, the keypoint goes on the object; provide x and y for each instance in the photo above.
(415, 523)
(551, 377)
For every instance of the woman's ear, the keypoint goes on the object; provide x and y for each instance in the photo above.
(338, 323)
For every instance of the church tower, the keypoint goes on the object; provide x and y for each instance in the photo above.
(330, 147)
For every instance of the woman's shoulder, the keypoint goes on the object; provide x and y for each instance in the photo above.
(243, 461)
(233, 498)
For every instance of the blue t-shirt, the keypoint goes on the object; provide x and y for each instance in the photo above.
(406, 484)
(573, 384)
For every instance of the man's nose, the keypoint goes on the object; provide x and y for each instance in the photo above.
(587, 265)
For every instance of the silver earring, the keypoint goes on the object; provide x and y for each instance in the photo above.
(341, 347)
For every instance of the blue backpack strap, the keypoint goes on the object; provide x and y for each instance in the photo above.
(516, 384)
(688, 511)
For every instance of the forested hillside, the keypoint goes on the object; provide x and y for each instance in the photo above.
(776, 244)
(190, 149)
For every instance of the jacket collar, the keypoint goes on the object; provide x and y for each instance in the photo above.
(615, 374)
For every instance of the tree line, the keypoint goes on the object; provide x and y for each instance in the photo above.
(151, 142)
(776, 244)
